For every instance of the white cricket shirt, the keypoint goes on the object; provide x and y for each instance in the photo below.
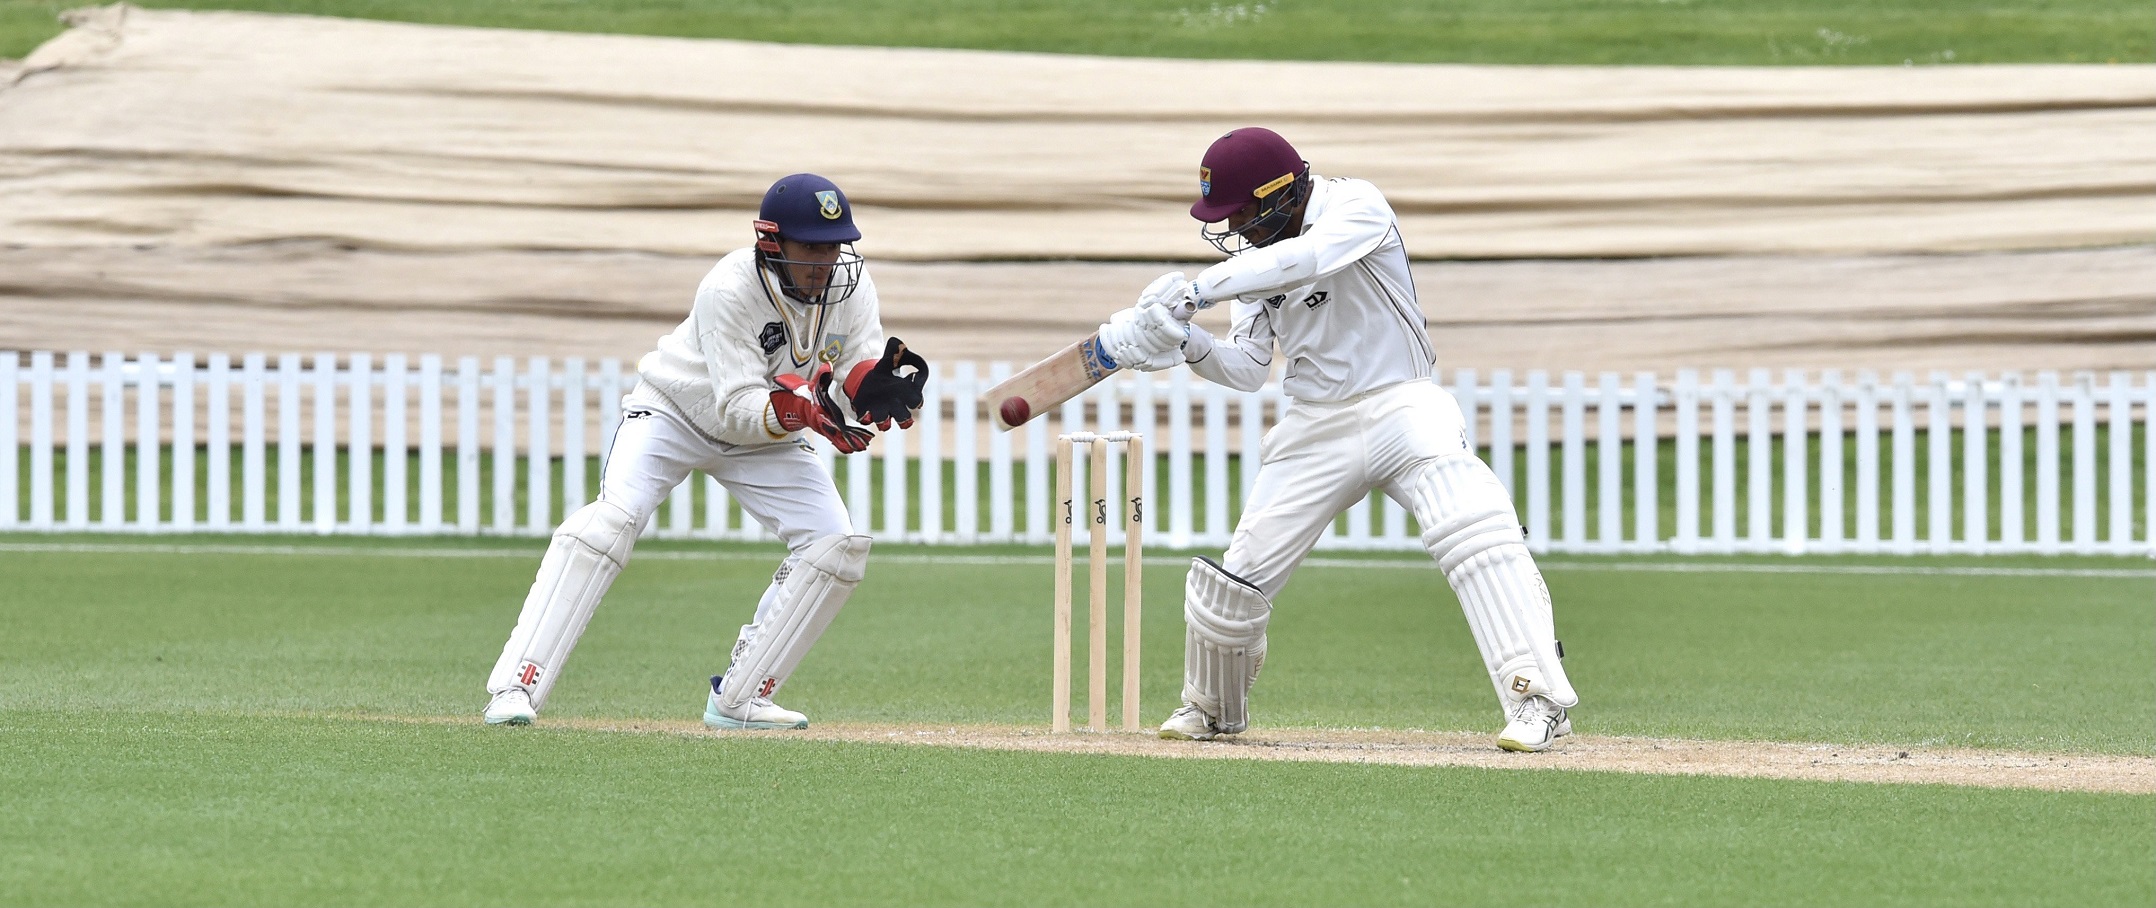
(716, 367)
(1337, 299)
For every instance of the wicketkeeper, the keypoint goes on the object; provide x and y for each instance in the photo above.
(1317, 268)
(730, 393)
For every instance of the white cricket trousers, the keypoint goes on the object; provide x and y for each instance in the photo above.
(1324, 457)
(784, 487)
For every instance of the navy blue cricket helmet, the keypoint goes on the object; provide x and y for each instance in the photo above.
(808, 209)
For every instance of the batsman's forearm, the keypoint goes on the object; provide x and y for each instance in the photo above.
(1228, 364)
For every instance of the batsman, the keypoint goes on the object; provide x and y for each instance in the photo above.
(730, 393)
(1317, 270)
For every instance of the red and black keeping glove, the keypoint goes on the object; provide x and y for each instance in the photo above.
(887, 389)
(806, 403)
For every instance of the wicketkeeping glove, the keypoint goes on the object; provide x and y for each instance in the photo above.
(806, 403)
(887, 389)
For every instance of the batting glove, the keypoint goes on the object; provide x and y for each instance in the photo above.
(1176, 293)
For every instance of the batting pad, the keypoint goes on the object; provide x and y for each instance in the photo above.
(1224, 619)
(1472, 532)
(810, 596)
(588, 552)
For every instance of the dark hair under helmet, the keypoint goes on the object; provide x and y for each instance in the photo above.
(807, 208)
(1251, 163)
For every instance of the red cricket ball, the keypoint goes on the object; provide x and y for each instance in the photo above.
(1015, 411)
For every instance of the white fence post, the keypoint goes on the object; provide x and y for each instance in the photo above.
(288, 438)
(1500, 431)
(2084, 394)
(966, 461)
(1002, 522)
(2013, 531)
(1539, 532)
(574, 460)
(254, 443)
(10, 445)
(324, 449)
(1975, 465)
(930, 426)
(217, 441)
(1646, 464)
(112, 441)
(1796, 457)
(2119, 404)
(1759, 462)
(1867, 395)
(1609, 465)
(1831, 393)
(396, 448)
(468, 445)
(1685, 398)
(1574, 464)
(1939, 477)
(1904, 463)
(1180, 525)
(359, 444)
(149, 447)
(539, 461)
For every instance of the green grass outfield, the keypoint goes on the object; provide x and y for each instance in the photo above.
(1726, 32)
(229, 720)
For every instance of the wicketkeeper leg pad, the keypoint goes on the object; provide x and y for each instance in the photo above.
(587, 553)
(817, 583)
(1471, 530)
(1224, 619)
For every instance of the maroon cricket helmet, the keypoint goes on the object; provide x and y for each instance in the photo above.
(1249, 163)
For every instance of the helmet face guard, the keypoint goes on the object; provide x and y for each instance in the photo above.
(844, 272)
(1278, 203)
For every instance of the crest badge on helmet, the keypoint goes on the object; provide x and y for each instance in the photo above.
(1205, 181)
(827, 204)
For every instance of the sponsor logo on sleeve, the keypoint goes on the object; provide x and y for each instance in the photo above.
(773, 338)
(1273, 302)
(1316, 299)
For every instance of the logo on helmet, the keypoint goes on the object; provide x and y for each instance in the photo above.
(827, 200)
(1205, 181)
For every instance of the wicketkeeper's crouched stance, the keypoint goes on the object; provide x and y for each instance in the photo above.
(728, 393)
(1318, 267)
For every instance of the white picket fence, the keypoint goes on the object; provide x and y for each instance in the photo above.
(1794, 462)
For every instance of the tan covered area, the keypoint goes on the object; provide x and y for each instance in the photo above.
(229, 181)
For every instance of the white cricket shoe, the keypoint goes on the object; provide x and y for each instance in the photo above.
(758, 713)
(1535, 722)
(511, 707)
(1190, 723)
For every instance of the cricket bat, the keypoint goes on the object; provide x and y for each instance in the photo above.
(1045, 385)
